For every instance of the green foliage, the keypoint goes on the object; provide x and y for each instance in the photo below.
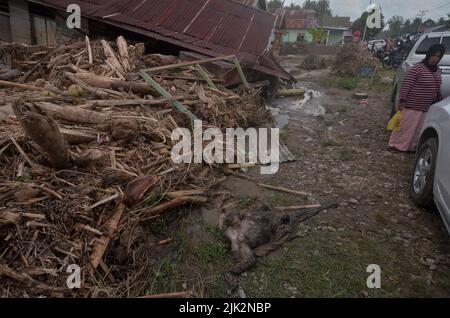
(318, 34)
(348, 83)
(321, 7)
(275, 4)
(395, 25)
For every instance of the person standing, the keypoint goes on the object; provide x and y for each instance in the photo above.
(420, 89)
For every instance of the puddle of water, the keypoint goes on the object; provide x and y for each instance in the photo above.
(309, 105)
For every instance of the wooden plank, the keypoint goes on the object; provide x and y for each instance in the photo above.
(205, 76)
(167, 95)
(241, 73)
(185, 64)
(40, 30)
(51, 32)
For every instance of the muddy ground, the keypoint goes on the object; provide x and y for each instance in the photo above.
(340, 145)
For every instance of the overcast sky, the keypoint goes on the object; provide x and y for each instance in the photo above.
(405, 8)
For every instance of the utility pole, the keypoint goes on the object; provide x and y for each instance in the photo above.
(421, 15)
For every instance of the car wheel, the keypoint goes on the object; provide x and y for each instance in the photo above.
(423, 175)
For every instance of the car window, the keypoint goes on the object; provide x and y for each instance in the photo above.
(446, 43)
(426, 44)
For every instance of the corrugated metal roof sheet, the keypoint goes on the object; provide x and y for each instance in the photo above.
(299, 19)
(335, 22)
(212, 27)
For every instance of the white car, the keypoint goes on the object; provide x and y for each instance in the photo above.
(430, 180)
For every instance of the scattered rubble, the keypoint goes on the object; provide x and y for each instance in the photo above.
(314, 62)
(85, 146)
(351, 58)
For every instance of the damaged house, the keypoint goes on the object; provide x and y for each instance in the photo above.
(193, 29)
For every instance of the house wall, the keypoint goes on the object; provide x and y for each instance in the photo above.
(20, 21)
(336, 36)
(5, 27)
(291, 36)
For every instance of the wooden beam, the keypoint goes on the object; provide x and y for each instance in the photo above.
(185, 64)
(167, 95)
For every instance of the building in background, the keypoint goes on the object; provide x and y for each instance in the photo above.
(294, 26)
(335, 28)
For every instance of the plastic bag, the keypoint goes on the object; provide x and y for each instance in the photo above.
(395, 122)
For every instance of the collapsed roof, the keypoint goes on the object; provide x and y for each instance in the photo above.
(211, 27)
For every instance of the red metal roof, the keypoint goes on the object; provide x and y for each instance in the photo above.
(299, 19)
(212, 27)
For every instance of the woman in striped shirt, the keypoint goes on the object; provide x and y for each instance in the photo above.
(421, 89)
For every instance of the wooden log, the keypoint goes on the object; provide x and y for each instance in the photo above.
(130, 102)
(115, 84)
(111, 226)
(72, 114)
(76, 137)
(7, 217)
(89, 50)
(21, 86)
(183, 294)
(303, 194)
(169, 205)
(111, 56)
(124, 53)
(299, 207)
(44, 132)
(95, 91)
(25, 279)
(291, 92)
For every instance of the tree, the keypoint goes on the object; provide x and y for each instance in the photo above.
(294, 6)
(275, 4)
(321, 7)
(360, 24)
(406, 27)
(318, 34)
(395, 25)
(441, 21)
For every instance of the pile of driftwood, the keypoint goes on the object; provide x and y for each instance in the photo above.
(351, 58)
(85, 165)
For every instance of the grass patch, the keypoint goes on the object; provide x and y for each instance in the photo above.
(348, 83)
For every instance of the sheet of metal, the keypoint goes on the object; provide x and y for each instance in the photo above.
(218, 26)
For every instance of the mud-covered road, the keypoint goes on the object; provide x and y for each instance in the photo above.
(340, 144)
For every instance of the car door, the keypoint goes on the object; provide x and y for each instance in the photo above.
(442, 176)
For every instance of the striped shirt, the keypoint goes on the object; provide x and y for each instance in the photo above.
(420, 87)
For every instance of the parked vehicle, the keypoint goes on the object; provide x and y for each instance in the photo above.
(376, 45)
(394, 59)
(430, 181)
(416, 55)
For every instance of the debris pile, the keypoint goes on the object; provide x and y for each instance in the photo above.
(313, 62)
(351, 58)
(85, 147)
